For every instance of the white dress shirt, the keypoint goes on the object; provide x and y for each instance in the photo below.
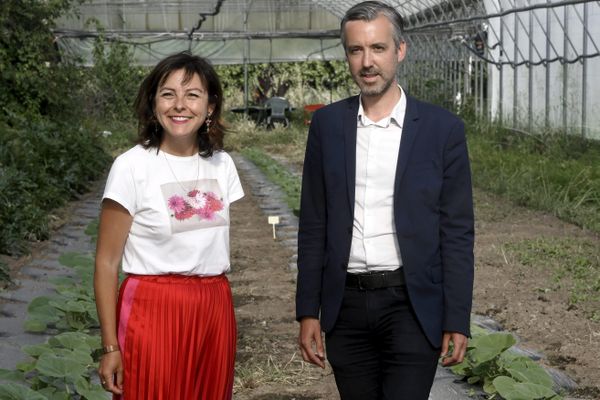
(374, 243)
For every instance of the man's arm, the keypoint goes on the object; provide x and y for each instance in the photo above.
(457, 233)
(312, 230)
(312, 234)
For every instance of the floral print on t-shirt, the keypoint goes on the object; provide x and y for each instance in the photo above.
(197, 208)
(202, 204)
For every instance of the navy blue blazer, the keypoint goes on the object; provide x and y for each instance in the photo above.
(433, 215)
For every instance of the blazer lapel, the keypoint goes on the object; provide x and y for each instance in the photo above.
(409, 133)
(349, 129)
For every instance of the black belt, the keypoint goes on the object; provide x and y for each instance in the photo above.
(375, 280)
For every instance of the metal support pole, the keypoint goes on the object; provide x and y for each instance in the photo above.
(584, 73)
(565, 88)
(515, 72)
(531, 73)
(548, 65)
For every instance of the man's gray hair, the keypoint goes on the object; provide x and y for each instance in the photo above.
(370, 10)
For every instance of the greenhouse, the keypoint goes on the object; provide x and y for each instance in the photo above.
(477, 198)
(526, 63)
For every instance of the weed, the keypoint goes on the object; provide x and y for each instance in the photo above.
(574, 263)
(555, 173)
(278, 174)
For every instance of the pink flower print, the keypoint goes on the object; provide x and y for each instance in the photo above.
(213, 203)
(199, 200)
(193, 193)
(188, 212)
(177, 203)
(205, 213)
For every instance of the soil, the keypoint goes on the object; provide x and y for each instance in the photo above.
(514, 295)
(269, 367)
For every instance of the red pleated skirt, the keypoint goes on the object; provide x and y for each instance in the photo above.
(177, 336)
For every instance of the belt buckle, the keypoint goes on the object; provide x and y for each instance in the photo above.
(360, 282)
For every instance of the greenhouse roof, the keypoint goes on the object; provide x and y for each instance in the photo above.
(234, 31)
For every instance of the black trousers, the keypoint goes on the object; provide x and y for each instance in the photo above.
(377, 348)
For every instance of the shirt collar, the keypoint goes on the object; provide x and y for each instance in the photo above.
(396, 116)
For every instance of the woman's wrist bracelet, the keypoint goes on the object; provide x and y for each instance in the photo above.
(110, 348)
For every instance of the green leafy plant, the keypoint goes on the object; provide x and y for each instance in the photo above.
(73, 307)
(42, 165)
(491, 363)
(63, 367)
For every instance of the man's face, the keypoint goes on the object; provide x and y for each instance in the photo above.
(372, 55)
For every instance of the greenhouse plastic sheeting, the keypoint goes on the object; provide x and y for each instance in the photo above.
(231, 51)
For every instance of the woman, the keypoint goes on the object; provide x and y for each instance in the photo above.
(170, 333)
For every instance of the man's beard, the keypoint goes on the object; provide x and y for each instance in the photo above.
(374, 90)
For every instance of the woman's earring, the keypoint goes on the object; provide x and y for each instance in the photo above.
(208, 121)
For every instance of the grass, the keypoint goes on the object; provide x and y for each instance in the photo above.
(286, 142)
(278, 174)
(549, 172)
(574, 264)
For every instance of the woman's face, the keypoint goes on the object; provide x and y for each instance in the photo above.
(181, 108)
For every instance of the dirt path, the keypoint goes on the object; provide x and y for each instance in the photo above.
(268, 366)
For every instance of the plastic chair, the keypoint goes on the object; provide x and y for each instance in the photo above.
(276, 108)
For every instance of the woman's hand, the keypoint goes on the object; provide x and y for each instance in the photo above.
(111, 372)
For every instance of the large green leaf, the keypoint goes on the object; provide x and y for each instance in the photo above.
(35, 325)
(510, 389)
(487, 347)
(71, 340)
(59, 367)
(12, 391)
(37, 302)
(11, 375)
(52, 394)
(69, 306)
(526, 370)
(89, 391)
(36, 350)
(46, 313)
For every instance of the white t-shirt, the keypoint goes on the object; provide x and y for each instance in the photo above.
(180, 209)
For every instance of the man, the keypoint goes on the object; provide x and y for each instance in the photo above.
(385, 244)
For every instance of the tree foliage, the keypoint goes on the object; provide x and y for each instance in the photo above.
(51, 116)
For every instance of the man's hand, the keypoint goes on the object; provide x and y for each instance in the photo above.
(311, 341)
(457, 355)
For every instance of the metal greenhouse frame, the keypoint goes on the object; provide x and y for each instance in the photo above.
(531, 64)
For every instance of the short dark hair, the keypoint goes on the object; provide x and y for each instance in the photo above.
(150, 132)
(370, 10)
